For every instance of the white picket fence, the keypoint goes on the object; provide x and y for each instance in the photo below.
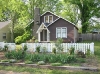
(49, 46)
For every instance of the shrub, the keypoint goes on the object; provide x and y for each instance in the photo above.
(58, 44)
(15, 55)
(38, 49)
(5, 48)
(71, 50)
(18, 47)
(23, 38)
(56, 64)
(51, 58)
(80, 54)
(41, 63)
(54, 50)
(25, 47)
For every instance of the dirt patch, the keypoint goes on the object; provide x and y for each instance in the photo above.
(11, 72)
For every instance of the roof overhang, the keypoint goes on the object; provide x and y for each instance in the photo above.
(42, 27)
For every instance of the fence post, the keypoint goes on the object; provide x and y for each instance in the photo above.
(92, 48)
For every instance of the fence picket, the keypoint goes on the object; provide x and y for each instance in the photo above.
(49, 46)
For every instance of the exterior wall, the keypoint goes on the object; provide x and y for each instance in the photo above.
(62, 23)
(76, 34)
(48, 13)
(6, 30)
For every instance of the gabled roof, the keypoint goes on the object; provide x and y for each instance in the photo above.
(58, 19)
(41, 26)
(5, 23)
(47, 24)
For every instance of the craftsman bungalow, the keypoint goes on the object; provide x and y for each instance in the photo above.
(48, 27)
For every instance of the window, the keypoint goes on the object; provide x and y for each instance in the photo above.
(48, 19)
(4, 35)
(61, 32)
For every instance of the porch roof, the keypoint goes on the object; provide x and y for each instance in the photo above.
(43, 26)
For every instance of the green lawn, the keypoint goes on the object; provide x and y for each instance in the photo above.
(44, 71)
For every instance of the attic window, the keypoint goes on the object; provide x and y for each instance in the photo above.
(48, 19)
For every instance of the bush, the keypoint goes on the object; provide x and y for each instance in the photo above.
(15, 54)
(38, 49)
(41, 63)
(5, 48)
(23, 38)
(56, 64)
(54, 50)
(51, 58)
(58, 44)
(18, 47)
(71, 50)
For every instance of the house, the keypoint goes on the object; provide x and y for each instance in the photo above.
(49, 26)
(5, 31)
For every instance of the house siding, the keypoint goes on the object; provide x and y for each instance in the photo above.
(62, 23)
(6, 30)
(48, 13)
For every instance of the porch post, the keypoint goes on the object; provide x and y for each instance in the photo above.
(48, 36)
(39, 36)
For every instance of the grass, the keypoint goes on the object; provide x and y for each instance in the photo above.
(43, 71)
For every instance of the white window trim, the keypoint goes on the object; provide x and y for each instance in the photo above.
(61, 32)
(48, 18)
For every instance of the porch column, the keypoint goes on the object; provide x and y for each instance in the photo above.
(39, 36)
(48, 37)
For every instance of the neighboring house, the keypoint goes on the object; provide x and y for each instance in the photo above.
(48, 27)
(5, 31)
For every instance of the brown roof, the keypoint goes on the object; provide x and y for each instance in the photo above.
(3, 24)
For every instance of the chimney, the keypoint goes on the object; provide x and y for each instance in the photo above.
(37, 16)
(36, 21)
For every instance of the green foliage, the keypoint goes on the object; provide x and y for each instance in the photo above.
(38, 49)
(18, 31)
(51, 58)
(5, 48)
(15, 54)
(23, 38)
(54, 50)
(58, 44)
(71, 50)
(81, 60)
(4, 60)
(28, 62)
(56, 64)
(41, 63)
(88, 9)
(25, 47)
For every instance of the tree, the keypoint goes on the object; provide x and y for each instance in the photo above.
(70, 12)
(15, 10)
(88, 9)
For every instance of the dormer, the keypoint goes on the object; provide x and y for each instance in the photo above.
(48, 18)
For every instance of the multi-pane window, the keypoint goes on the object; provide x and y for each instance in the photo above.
(61, 32)
(4, 35)
(48, 19)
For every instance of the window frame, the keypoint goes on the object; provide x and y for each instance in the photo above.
(4, 35)
(61, 28)
(48, 18)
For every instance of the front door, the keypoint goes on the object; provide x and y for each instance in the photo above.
(43, 35)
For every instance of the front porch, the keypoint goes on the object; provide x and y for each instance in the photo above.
(43, 33)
